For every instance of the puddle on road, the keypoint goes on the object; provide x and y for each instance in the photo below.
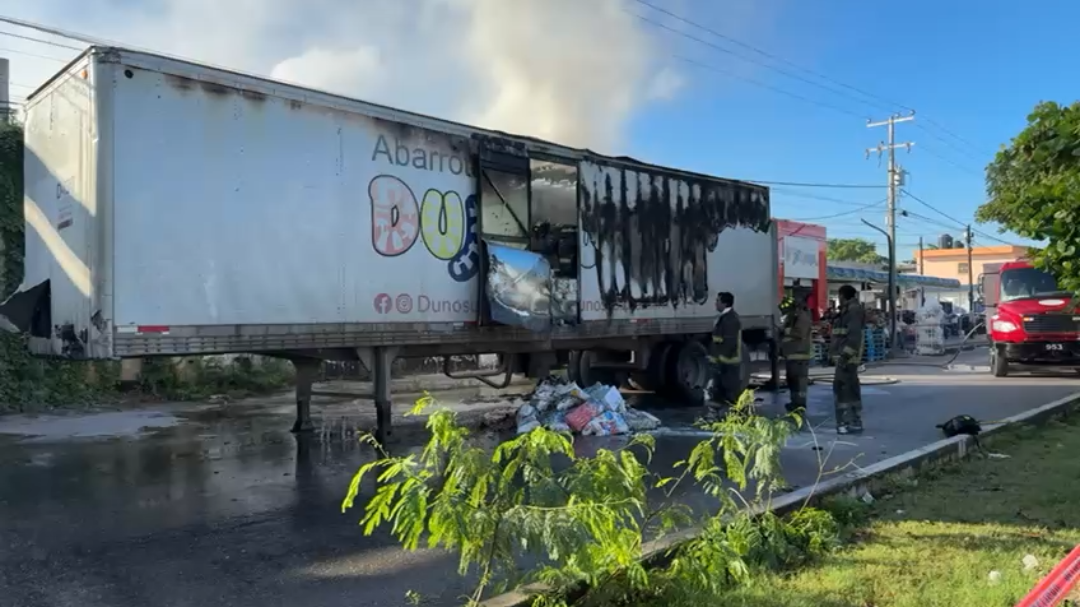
(48, 428)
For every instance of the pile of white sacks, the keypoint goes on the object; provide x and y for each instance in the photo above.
(564, 406)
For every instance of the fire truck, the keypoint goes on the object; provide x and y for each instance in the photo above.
(1030, 320)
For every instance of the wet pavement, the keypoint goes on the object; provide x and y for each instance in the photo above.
(223, 506)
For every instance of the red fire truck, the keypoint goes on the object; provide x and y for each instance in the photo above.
(1030, 320)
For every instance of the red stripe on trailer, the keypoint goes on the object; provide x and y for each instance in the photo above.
(153, 329)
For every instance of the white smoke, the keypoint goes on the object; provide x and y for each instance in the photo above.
(573, 71)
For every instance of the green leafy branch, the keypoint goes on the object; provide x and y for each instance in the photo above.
(585, 520)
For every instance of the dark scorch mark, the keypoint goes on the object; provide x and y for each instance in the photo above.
(657, 229)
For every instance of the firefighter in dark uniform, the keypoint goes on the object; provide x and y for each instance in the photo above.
(726, 354)
(797, 347)
(847, 351)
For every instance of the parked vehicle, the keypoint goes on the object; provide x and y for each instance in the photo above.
(174, 208)
(1031, 321)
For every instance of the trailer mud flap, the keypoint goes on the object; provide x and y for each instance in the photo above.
(28, 311)
(517, 287)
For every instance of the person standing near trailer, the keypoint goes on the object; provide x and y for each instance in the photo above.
(726, 355)
(797, 346)
(847, 351)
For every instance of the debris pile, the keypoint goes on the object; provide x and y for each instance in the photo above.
(563, 406)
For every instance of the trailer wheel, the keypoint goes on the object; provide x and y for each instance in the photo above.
(581, 371)
(999, 365)
(688, 372)
(654, 378)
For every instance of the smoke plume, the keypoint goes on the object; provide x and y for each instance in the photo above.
(573, 71)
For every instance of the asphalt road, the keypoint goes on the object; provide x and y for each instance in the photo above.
(230, 510)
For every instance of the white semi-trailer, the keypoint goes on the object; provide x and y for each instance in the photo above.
(174, 208)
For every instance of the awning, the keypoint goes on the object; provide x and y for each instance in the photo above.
(904, 280)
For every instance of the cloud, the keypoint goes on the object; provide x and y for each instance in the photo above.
(574, 71)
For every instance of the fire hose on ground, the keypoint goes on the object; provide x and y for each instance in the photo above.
(820, 376)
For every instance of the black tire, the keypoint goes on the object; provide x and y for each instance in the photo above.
(688, 372)
(999, 365)
(586, 375)
(654, 377)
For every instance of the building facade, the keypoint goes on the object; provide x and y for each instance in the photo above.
(953, 263)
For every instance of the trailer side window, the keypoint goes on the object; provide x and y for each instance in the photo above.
(504, 203)
(554, 193)
(555, 214)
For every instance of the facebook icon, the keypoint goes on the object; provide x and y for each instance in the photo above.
(382, 303)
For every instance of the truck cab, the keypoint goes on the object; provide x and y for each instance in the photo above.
(1030, 320)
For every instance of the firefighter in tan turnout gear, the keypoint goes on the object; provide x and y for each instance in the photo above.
(797, 346)
(726, 355)
(847, 351)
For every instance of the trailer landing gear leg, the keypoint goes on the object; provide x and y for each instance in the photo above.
(306, 370)
(384, 358)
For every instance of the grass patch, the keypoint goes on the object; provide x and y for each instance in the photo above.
(936, 540)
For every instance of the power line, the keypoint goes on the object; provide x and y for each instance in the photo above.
(757, 50)
(934, 209)
(954, 135)
(959, 224)
(798, 194)
(55, 31)
(845, 213)
(882, 102)
(775, 89)
(42, 41)
(814, 185)
(34, 55)
(728, 51)
(964, 168)
(934, 222)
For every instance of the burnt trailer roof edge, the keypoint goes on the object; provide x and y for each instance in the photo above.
(161, 62)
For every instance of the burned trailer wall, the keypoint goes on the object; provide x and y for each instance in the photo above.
(659, 244)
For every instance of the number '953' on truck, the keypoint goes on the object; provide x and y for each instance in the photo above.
(174, 208)
(1030, 320)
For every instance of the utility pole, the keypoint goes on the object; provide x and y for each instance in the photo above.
(920, 255)
(971, 272)
(890, 215)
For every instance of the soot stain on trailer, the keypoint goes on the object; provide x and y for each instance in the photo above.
(253, 95)
(180, 82)
(214, 88)
(656, 230)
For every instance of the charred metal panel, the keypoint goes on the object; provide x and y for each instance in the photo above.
(653, 230)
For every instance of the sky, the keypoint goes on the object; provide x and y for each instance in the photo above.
(765, 90)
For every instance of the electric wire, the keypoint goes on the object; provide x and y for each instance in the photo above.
(34, 55)
(881, 102)
(815, 185)
(41, 41)
(845, 213)
(953, 219)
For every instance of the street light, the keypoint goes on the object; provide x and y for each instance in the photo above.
(892, 286)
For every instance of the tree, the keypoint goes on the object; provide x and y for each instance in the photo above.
(853, 249)
(1033, 187)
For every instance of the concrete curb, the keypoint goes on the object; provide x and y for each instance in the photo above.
(855, 482)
